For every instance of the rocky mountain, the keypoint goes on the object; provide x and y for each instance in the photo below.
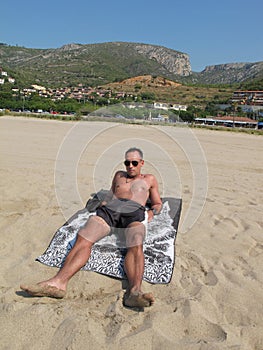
(174, 61)
(231, 73)
(99, 64)
(94, 64)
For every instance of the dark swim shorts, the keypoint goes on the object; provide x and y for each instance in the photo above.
(120, 213)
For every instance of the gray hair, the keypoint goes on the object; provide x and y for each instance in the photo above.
(134, 149)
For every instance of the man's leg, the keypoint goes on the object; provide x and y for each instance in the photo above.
(95, 229)
(134, 267)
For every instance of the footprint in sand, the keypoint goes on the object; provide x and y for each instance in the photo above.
(233, 222)
(6, 245)
(195, 274)
(205, 330)
(210, 278)
(63, 335)
(256, 250)
(187, 324)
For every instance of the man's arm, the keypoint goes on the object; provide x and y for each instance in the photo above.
(156, 202)
(110, 194)
(107, 198)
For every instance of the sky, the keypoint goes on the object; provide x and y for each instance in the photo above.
(210, 31)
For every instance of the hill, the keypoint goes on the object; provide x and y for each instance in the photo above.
(162, 89)
(103, 63)
(231, 73)
(93, 64)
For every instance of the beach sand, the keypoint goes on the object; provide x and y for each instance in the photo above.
(215, 299)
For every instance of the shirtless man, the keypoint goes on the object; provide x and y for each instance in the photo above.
(124, 207)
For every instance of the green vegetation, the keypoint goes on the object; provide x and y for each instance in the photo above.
(11, 101)
(201, 102)
(99, 64)
(256, 84)
(104, 67)
(90, 65)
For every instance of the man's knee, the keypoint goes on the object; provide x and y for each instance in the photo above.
(135, 234)
(95, 229)
(82, 243)
(137, 249)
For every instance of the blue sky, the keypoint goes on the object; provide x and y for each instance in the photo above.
(209, 31)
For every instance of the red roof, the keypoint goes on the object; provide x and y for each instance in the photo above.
(236, 119)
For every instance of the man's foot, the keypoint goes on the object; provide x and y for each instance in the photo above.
(43, 290)
(138, 299)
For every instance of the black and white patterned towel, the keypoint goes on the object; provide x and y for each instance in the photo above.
(108, 254)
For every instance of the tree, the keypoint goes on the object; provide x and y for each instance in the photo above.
(6, 97)
(147, 96)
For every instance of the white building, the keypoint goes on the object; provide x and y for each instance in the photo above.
(161, 105)
(178, 107)
(167, 106)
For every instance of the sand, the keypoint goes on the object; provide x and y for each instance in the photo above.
(215, 299)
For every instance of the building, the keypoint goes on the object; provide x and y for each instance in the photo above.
(228, 121)
(248, 98)
(167, 106)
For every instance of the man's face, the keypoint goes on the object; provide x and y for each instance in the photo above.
(133, 163)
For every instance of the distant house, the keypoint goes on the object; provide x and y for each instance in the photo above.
(2, 81)
(160, 118)
(161, 105)
(38, 88)
(167, 106)
(178, 107)
(248, 97)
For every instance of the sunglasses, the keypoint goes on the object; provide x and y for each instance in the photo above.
(128, 162)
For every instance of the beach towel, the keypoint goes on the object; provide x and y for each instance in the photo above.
(108, 254)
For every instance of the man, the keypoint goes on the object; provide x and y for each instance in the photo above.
(124, 207)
